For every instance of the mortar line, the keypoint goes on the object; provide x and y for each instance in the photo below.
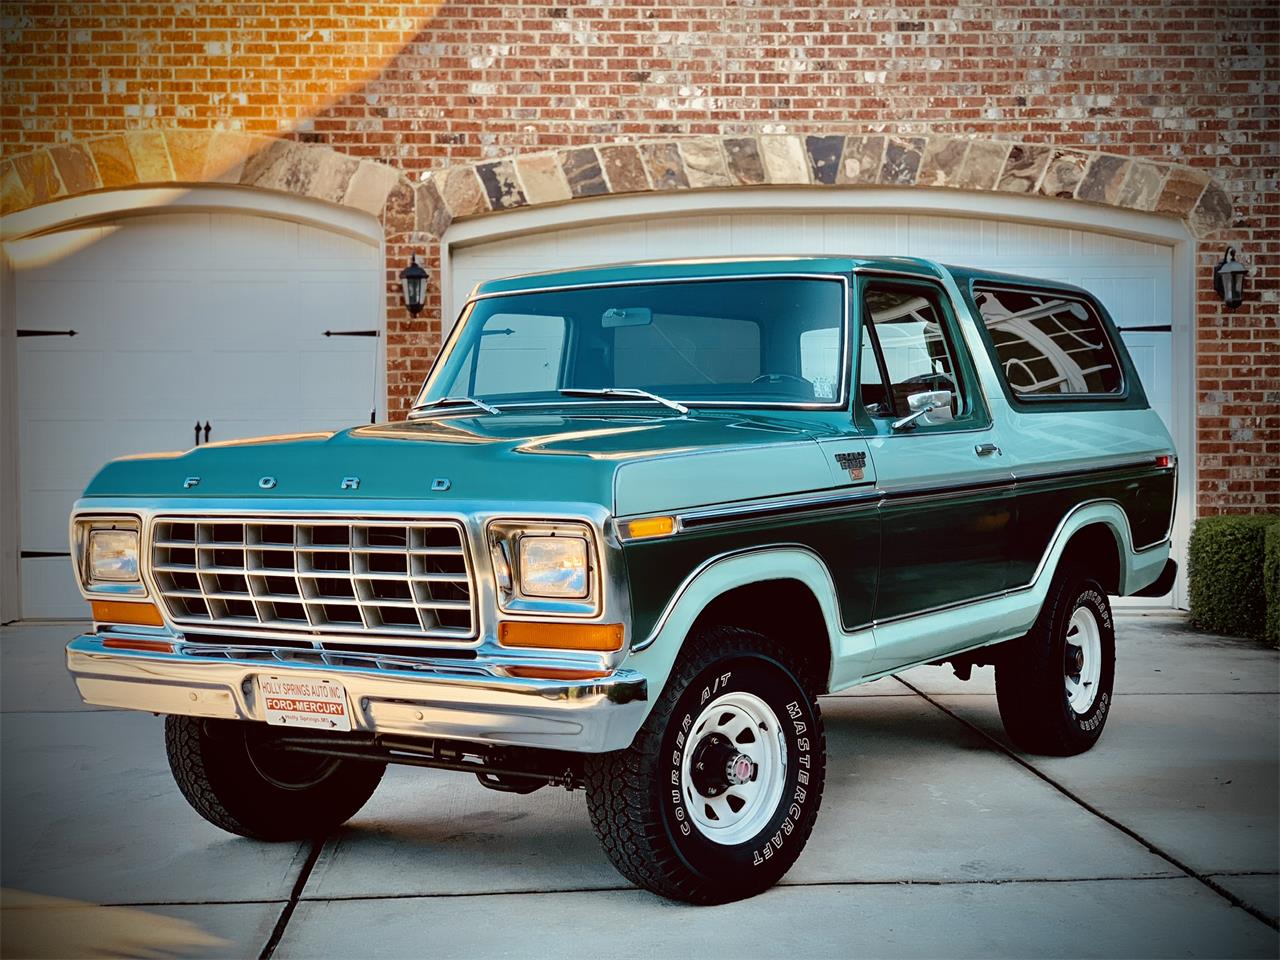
(286, 914)
(1106, 818)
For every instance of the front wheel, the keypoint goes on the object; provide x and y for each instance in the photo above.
(232, 776)
(1054, 686)
(718, 793)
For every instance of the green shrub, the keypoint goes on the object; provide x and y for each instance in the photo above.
(1225, 573)
(1271, 582)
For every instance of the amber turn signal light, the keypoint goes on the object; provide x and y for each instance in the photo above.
(117, 611)
(150, 646)
(648, 527)
(605, 637)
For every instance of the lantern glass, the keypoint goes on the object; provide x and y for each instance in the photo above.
(1233, 285)
(413, 292)
(413, 281)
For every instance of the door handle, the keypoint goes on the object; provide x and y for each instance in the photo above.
(986, 449)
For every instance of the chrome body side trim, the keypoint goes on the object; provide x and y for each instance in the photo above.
(909, 493)
(764, 509)
(421, 698)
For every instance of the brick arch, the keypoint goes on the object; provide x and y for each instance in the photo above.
(823, 162)
(153, 158)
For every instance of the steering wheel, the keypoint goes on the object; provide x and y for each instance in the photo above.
(931, 379)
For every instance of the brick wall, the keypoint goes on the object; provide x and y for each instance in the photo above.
(422, 85)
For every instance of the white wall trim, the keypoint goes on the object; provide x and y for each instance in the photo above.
(9, 484)
(150, 201)
(988, 205)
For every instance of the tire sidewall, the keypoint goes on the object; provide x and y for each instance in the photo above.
(1087, 593)
(767, 855)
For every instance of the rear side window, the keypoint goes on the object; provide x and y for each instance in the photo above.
(1048, 344)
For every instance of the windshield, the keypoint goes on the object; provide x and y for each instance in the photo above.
(758, 341)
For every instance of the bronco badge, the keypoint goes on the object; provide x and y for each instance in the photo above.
(855, 463)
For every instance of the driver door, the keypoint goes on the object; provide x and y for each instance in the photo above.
(948, 508)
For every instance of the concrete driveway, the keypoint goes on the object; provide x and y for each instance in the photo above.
(935, 838)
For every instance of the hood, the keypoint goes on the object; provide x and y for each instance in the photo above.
(627, 464)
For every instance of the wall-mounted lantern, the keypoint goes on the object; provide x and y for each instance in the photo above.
(1228, 279)
(414, 281)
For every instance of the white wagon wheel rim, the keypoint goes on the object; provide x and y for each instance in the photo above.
(1083, 660)
(733, 768)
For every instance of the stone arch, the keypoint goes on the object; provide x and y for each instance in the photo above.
(159, 157)
(833, 161)
(150, 158)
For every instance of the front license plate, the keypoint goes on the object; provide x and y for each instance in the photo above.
(317, 704)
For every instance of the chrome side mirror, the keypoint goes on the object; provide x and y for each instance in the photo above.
(922, 404)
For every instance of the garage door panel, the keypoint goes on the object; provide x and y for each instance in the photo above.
(1133, 300)
(49, 590)
(69, 454)
(317, 244)
(687, 238)
(1018, 238)
(180, 317)
(958, 241)
(148, 243)
(771, 233)
(868, 234)
(339, 300)
(326, 381)
(70, 383)
(272, 243)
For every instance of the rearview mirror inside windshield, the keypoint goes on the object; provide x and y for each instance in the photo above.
(626, 317)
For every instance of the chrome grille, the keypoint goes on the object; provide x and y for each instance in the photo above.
(409, 579)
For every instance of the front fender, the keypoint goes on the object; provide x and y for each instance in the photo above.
(654, 656)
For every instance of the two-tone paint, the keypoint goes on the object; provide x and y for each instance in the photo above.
(915, 545)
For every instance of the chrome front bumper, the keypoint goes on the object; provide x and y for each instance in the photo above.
(461, 700)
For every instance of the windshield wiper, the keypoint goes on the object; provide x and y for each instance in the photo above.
(625, 393)
(443, 401)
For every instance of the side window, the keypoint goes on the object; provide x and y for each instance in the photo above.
(905, 350)
(518, 353)
(1047, 344)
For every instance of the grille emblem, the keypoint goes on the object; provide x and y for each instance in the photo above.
(267, 483)
(350, 483)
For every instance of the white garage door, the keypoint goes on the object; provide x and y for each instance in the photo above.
(1134, 279)
(179, 318)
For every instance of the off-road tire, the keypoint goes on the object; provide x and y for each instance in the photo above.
(637, 797)
(218, 765)
(1030, 690)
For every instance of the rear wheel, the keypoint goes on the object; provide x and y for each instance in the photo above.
(718, 793)
(233, 777)
(1054, 686)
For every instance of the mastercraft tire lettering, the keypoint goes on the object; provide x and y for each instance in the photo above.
(1054, 686)
(715, 799)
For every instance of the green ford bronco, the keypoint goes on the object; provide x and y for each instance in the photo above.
(639, 519)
